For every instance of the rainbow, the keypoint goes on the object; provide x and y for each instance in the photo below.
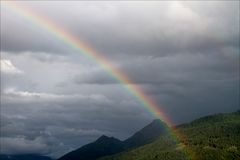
(84, 49)
(90, 53)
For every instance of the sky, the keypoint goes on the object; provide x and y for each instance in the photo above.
(184, 55)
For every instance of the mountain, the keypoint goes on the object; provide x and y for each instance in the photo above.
(101, 147)
(24, 157)
(215, 137)
(108, 145)
(212, 137)
(146, 135)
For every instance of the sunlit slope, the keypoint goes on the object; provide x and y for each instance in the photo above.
(214, 137)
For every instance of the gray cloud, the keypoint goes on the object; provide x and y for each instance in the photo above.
(22, 145)
(131, 27)
(69, 120)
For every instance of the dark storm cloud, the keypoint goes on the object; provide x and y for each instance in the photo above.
(178, 69)
(185, 55)
(207, 82)
(158, 29)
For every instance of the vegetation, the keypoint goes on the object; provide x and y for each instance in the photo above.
(214, 137)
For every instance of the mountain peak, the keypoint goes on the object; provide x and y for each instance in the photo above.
(103, 146)
(103, 137)
(146, 135)
(157, 121)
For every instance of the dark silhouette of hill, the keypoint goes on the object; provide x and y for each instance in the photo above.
(146, 135)
(24, 157)
(108, 145)
(207, 138)
(101, 147)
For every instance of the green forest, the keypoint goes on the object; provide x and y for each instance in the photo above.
(215, 137)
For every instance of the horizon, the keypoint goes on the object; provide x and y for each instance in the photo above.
(122, 140)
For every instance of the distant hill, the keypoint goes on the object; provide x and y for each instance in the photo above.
(146, 135)
(215, 137)
(101, 147)
(24, 157)
(108, 145)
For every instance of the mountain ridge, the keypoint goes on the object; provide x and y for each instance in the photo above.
(144, 136)
(103, 146)
(214, 137)
(208, 138)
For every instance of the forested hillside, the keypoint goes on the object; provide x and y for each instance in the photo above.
(214, 137)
